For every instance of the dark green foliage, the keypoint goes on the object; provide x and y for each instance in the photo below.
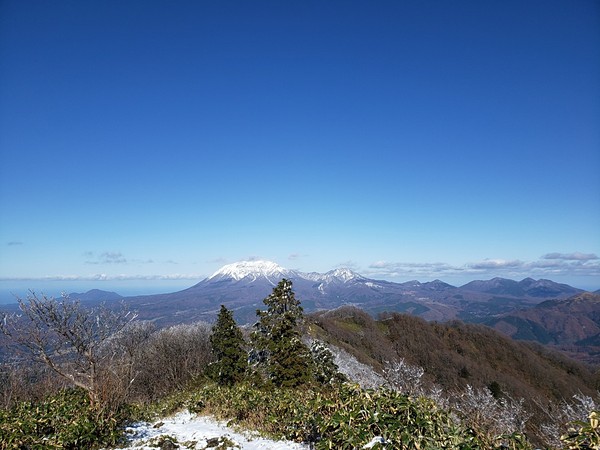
(281, 303)
(278, 345)
(495, 389)
(325, 369)
(227, 345)
(290, 363)
(63, 421)
(356, 416)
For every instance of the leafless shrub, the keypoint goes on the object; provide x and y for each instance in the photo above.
(170, 358)
(479, 409)
(404, 377)
(27, 381)
(558, 416)
(129, 345)
(437, 394)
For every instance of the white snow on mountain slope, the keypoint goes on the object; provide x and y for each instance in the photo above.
(196, 431)
(251, 270)
(342, 274)
(312, 276)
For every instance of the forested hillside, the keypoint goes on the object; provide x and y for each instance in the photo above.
(570, 325)
(455, 355)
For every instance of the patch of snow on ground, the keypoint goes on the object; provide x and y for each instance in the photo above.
(195, 432)
(376, 440)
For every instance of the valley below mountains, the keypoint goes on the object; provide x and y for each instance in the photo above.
(554, 314)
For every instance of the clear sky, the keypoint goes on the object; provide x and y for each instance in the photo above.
(148, 141)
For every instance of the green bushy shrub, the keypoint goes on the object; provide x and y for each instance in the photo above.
(347, 417)
(584, 435)
(63, 421)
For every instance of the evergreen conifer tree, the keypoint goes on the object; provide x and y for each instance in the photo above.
(228, 349)
(325, 369)
(279, 347)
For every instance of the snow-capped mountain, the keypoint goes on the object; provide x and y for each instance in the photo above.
(251, 271)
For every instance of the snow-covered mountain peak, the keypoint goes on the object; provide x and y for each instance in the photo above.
(251, 269)
(343, 274)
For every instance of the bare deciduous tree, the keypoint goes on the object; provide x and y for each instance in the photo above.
(70, 339)
(560, 416)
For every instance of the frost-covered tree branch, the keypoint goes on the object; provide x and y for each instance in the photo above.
(70, 339)
(404, 377)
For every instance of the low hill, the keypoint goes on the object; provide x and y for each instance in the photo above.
(96, 296)
(571, 325)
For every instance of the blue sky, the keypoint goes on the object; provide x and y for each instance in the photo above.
(148, 143)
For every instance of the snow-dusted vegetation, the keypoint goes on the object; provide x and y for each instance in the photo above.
(362, 374)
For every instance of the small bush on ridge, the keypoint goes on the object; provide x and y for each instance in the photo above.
(64, 421)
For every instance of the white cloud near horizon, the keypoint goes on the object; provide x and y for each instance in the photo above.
(576, 256)
(105, 258)
(550, 265)
(296, 256)
(113, 257)
(496, 264)
(106, 277)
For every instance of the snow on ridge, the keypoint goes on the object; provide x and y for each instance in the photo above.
(340, 275)
(312, 276)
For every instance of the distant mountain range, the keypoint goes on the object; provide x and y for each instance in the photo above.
(521, 309)
(541, 310)
(243, 285)
(527, 287)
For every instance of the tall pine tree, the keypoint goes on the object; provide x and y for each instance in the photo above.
(277, 339)
(228, 349)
